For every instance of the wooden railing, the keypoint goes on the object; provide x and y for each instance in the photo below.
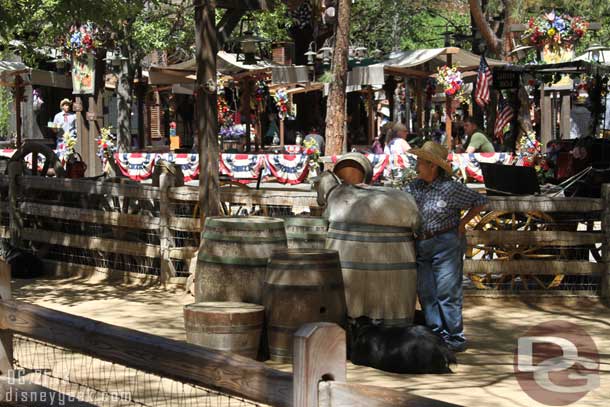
(165, 222)
(319, 377)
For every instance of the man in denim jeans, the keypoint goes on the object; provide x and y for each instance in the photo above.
(441, 241)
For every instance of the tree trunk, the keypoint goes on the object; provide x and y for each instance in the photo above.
(124, 90)
(335, 111)
(205, 101)
(493, 43)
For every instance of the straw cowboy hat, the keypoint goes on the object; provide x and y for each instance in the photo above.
(435, 153)
(64, 102)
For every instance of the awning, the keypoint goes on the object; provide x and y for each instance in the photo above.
(186, 72)
(8, 70)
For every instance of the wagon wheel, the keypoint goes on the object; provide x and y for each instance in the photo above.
(51, 161)
(516, 221)
(125, 205)
(226, 208)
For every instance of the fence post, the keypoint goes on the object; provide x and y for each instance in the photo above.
(605, 278)
(15, 169)
(167, 179)
(6, 336)
(319, 355)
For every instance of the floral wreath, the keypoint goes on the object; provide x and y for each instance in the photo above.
(83, 39)
(281, 102)
(555, 31)
(450, 79)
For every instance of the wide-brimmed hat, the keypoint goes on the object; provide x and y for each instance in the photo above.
(435, 153)
(64, 102)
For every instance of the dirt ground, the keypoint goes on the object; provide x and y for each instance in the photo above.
(485, 374)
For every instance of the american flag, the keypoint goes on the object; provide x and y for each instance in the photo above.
(484, 78)
(505, 115)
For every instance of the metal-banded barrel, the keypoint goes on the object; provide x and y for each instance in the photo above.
(232, 259)
(354, 168)
(306, 232)
(229, 326)
(379, 270)
(301, 286)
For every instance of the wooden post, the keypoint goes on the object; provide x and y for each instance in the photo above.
(205, 102)
(6, 336)
(449, 110)
(564, 131)
(319, 355)
(419, 102)
(15, 169)
(371, 114)
(18, 100)
(282, 133)
(546, 119)
(167, 179)
(605, 280)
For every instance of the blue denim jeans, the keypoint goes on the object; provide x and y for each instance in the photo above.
(439, 284)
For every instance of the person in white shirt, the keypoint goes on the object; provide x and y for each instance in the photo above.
(397, 143)
(65, 119)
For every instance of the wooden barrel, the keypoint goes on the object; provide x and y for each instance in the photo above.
(306, 232)
(233, 256)
(229, 326)
(301, 286)
(379, 270)
(354, 168)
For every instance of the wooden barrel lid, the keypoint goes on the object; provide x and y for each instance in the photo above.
(305, 221)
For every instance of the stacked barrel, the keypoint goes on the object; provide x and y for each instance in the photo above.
(259, 279)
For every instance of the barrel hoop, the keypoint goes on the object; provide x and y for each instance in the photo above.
(237, 350)
(283, 328)
(358, 227)
(363, 238)
(305, 222)
(219, 237)
(238, 261)
(378, 266)
(286, 265)
(222, 223)
(223, 329)
(280, 352)
(292, 287)
(306, 236)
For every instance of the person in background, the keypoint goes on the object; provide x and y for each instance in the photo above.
(397, 143)
(379, 141)
(65, 119)
(477, 142)
(314, 135)
(441, 241)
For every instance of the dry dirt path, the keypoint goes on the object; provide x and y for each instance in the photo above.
(484, 376)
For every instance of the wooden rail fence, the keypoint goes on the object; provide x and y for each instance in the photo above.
(319, 358)
(154, 230)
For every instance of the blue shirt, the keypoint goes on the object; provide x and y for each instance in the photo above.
(441, 202)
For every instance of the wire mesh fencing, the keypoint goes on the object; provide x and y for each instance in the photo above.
(74, 375)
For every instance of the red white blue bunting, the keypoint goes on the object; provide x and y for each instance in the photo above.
(188, 163)
(241, 167)
(468, 164)
(136, 166)
(287, 168)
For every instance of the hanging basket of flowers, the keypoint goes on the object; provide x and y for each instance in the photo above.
(555, 32)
